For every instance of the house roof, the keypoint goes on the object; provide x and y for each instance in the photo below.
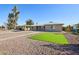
(46, 24)
(49, 24)
(54, 24)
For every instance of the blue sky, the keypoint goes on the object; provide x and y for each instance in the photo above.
(42, 13)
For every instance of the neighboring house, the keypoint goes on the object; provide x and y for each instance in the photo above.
(45, 27)
(76, 28)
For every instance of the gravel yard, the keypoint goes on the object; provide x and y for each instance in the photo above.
(18, 43)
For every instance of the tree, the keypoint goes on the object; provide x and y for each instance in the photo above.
(29, 22)
(12, 18)
(68, 28)
(10, 23)
(64, 28)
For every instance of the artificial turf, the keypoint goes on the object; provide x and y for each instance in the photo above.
(50, 37)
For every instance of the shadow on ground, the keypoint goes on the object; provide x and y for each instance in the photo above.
(68, 49)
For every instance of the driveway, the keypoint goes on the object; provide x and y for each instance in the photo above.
(8, 35)
(18, 43)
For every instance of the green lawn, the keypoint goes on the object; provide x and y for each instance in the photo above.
(51, 37)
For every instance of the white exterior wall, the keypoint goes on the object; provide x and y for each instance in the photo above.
(48, 28)
(33, 28)
(53, 28)
(58, 27)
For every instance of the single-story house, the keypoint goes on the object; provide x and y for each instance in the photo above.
(45, 27)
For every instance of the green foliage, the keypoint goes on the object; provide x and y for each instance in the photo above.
(29, 22)
(12, 18)
(68, 28)
(64, 28)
